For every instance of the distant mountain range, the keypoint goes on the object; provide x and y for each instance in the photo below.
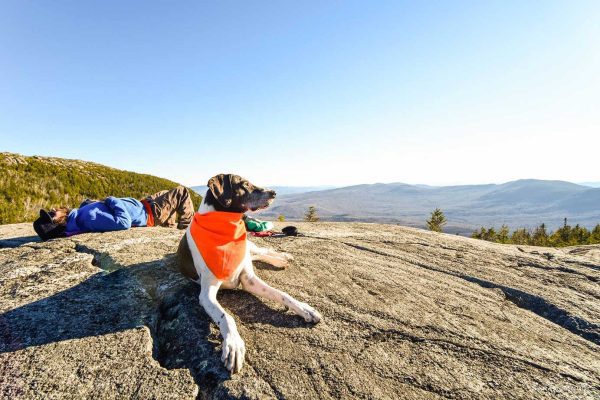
(522, 203)
(280, 190)
(591, 184)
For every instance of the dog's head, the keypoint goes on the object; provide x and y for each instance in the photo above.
(232, 193)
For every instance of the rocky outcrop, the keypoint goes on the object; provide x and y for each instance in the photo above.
(407, 314)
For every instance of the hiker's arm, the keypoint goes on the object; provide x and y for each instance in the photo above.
(88, 201)
(122, 217)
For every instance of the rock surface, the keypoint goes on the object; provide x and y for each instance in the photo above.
(408, 314)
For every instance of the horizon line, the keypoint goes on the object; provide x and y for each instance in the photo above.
(328, 187)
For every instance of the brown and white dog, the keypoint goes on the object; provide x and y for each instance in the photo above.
(232, 193)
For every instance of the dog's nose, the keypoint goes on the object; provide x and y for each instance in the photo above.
(272, 193)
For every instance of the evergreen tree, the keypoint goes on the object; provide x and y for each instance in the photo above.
(436, 221)
(595, 235)
(503, 235)
(578, 235)
(540, 236)
(521, 236)
(311, 214)
(478, 234)
(490, 235)
(565, 232)
(562, 236)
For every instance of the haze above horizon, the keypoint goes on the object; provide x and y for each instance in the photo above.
(307, 94)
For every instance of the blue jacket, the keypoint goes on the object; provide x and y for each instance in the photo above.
(112, 214)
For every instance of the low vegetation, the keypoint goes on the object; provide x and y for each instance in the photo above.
(564, 236)
(30, 183)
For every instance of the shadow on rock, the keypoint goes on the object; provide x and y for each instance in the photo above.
(18, 241)
(104, 303)
(148, 294)
(264, 266)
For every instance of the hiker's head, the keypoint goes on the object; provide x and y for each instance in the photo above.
(232, 193)
(60, 215)
(51, 224)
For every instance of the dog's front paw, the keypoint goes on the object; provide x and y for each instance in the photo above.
(279, 259)
(309, 314)
(286, 256)
(234, 352)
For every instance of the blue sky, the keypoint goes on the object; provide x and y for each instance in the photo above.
(307, 93)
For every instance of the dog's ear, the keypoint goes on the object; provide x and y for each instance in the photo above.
(220, 186)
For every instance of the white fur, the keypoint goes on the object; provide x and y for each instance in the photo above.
(234, 349)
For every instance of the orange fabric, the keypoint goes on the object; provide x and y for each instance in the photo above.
(150, 221)
(221, 239)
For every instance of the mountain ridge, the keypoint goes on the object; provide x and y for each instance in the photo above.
(521, 203)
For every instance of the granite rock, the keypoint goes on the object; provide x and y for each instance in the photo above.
(408, 314)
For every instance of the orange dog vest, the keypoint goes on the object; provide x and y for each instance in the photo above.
(221, 239)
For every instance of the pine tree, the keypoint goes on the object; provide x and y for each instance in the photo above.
(503, 235)
(521, 236)
(478, 234)
(595, 235)
(565, 233)
(490, 235)
(540, 236)
(578, 235)
(561, 237)
(436, 221)
(311, 214)
(564, 236)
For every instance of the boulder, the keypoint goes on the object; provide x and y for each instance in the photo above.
(407, 314)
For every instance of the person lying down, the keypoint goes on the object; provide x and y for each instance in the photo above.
(114, 214)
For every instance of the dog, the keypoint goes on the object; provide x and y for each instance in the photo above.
(227, 199)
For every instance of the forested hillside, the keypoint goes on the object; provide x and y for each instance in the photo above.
(30, 183)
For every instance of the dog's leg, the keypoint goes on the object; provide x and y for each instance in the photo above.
(278, 259)
(253, 284)
(234, 349)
